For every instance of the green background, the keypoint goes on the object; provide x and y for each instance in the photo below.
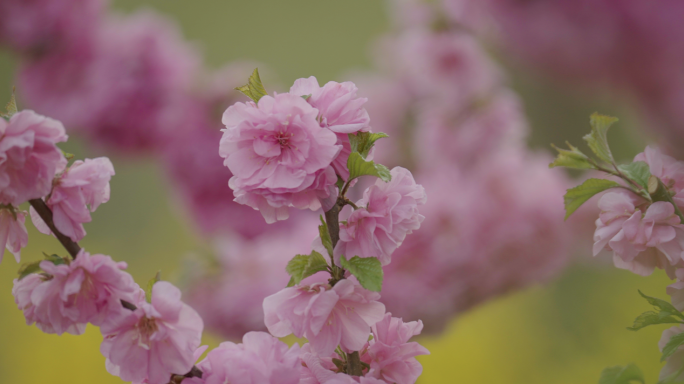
(564, 332)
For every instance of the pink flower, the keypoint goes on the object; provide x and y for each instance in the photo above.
(156, 340)
(676, 360)
(38, 26)
(29, 158)
(667, 169)
(390, 213)
(68, 296)
(327, 317)
(13, 234)
(85, 183)
(639, 241)
(279, 155)
(261, 358)
(391, 356)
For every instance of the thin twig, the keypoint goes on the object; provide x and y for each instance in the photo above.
(46, 214)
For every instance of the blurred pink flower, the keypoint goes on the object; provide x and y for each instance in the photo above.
(261, 358)
(126, 88)
(13, 234)
(387, 213)
(390, 354)
(36, 26)
(324, 315)
(228, 292)
(279, 155)
(155, 340)
(68, 296)
(76, 193)
(640, 241)
(29, 158)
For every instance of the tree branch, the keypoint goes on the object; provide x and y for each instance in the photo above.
(46, 214)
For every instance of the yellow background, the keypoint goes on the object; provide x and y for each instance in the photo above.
(563, 333)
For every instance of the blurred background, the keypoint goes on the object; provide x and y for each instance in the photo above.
(472, 94)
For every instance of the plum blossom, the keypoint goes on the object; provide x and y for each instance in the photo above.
(13, 234)
(340, 110)
(667, 169)
(390, 213)
(29, 158)
(261, 358)
(390, 354)
(326, 316)
(68, 296)
(154, 341)
(640, 241)
(279, 156)
(85, 183)
(675, 362)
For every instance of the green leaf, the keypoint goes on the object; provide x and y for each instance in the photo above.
(671, 347)
(150, 284)
(571, 158)
(254, 89)
(575, 197)
(358, 166)
(621, 375)
(663, 306)
(652, 318)
(598, 138)
(368, 271)
(306, 97)
(325, 236)
(56, 259)
(637, 171)
(362, 142)
(11, 106)
(29, 268)
(303, 266)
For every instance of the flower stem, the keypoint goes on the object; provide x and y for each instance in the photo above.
(46, 214)
(354, 367)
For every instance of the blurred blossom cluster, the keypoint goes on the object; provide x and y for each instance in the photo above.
(632, 45)
(493, 223)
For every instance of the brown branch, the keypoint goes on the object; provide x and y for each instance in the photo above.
(354, 367)
(194, 372)
(46, 214)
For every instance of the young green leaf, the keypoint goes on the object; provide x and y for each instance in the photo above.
(571, 158)
(575, 197)
(652, 318)
(358, 166)
(11, 107)
(671, 347)
(254, 89)
(637, 171)
(150, 284)
(663, 306)
(598, 138)
(622, 375)
(325, 236)
(55, 259)
(368, 271)
(362, 142)
(29, 268)
(303, 266)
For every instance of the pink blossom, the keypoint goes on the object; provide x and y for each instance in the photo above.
(639, 241)
(228, 292)
(38, 26)
(261, 358)
(13, 234)
(29, 158)
(391, 356)
(154, 341)
(390, 213)
(68, 296)
(326, 316)
(83, 184)
(667, 169)
(675, 362)
(279, 155)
